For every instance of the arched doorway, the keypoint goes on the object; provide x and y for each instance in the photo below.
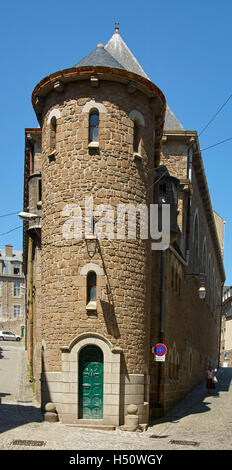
(90, 380)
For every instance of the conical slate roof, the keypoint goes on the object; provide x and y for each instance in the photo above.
(119, 50)
(100, 57)
(116, 54)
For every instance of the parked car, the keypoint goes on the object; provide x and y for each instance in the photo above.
(8, 335)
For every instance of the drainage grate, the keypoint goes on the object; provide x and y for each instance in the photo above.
(20, 442)
(156, 436)
(185, 443)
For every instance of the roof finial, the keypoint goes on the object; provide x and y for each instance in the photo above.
(116, 27)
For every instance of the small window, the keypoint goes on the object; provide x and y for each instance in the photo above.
(136, 138)
(40, 190)
(91, 286)
(53, 134)
(94, 127)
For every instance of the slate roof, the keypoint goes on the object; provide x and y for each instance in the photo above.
(100, 57)
(116, 54)
(171, 122)
(119, 50)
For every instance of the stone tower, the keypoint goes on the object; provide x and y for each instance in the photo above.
(101, 123)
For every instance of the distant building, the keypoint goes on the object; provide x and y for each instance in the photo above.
(12, 294)
(226, 328)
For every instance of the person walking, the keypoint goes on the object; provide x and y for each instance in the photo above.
(210, 384)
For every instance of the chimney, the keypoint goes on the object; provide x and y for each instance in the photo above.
(9, 251)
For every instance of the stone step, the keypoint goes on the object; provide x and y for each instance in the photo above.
(98, 427)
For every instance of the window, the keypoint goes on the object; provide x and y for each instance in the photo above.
(39, 190)
(91, 286)
(138, 124)
(196, 244)
(136, 138)
(16, 289)
(53, 134)
(94, 127)
(17, 311)
(204, 258)
(16, 269)
(4, 268)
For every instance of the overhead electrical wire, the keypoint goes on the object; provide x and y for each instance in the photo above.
(12, 230)
(6, 215)
(218, 143)
(218, 111)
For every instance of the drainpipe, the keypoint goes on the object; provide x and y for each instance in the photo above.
(162, 323)
(30, 326)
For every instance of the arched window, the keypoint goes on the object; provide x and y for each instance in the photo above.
(138, 124)
(204, 258)
(196, 244)
(94, 126)
(53, 134)
(91, 286)
(136, 137)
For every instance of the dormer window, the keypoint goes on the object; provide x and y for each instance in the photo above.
(16, 269)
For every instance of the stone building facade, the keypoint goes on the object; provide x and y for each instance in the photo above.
(12, 286)
(97, 303)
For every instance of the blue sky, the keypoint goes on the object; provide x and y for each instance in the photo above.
(184, 48)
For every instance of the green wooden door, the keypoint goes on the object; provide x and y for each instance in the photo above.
(90, 383)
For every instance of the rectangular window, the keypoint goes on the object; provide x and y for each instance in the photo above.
(17, 311)
(16, 289)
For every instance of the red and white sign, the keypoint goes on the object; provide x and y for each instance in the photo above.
(160, 350)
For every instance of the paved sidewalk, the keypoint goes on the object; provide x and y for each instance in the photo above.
(201, 422)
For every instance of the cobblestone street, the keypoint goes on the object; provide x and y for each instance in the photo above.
(201, 422)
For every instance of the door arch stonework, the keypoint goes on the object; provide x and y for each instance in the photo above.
(111, 380)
